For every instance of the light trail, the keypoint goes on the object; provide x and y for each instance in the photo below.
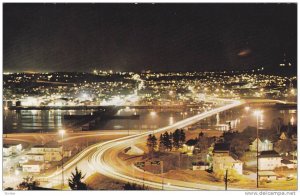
(99, 162)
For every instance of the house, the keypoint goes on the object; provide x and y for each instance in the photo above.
(11, 149)
(222, 160)
(267, 175)
(189, 146)
(221, 149)
(227, 162)
(33, 167)
(283, 136)
(34, 156)
(269, 160)
(50, 151)
(48, 147)
(53, 156)
(266, 145)
(200, 166)
(288, 164)
(7, 151)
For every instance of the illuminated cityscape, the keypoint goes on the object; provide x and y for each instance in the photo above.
(224, 125)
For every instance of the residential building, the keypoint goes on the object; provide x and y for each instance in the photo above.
(200, 166)
(266, 145)
(269, 160)
(11, 149)
(267, 175)
(7, 151)
(34, 156)
(48, 147)
(283, 136)
(221, 149)
(222, 160)
(189, 146)
(227, 162)
(33, 166)
(288, 164)
(50, 151)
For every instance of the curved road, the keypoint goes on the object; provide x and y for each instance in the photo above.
(105, 159)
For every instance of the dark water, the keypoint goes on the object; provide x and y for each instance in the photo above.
(240, 118)
(46, 120)
(37, 120)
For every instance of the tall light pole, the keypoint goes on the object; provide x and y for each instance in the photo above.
(162, 174)
(62, 132)
(257, 113)
(153, 115)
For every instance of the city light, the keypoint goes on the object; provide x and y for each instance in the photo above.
(150, 107)
(258, 113)
(292, 121)
(62, 132)
(153, 113)
(171, 120)
(247, 108)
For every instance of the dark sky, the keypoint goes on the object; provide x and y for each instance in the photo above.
(160, 37)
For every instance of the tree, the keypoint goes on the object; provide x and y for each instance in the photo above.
(250, 132)
(203, 143)
(28, 184)
(75, 182)
(239, 145)
(167, 141)
(285, 146)
(232, 175)
(182, 138)
(201, 134)
(132, 186)
(277, 124)
(161, 146)
(176, 138)
(151, 143)
(229, 135)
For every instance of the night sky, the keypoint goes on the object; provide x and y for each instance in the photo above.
(159, 37)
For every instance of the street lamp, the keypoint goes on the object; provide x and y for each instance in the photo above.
(62, 132)
(153, 115)
(258, 114)
(247, 108)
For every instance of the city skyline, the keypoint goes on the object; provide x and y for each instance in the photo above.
(148, 96)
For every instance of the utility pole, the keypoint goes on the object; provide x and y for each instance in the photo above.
(258, 114)
(179, 160)
(225, 178)
(257, 177)
(143, 177)
(62, 132)
(128, 126)
(162, 171)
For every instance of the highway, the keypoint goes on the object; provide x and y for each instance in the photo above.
(11, 180)
(105, 159)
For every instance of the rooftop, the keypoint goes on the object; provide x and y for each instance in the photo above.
(269, 153)
(267, 173)
(9, 145)
(191, 142)
(51, 144)
(221, 147)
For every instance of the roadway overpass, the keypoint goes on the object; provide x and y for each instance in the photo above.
(103, 157)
